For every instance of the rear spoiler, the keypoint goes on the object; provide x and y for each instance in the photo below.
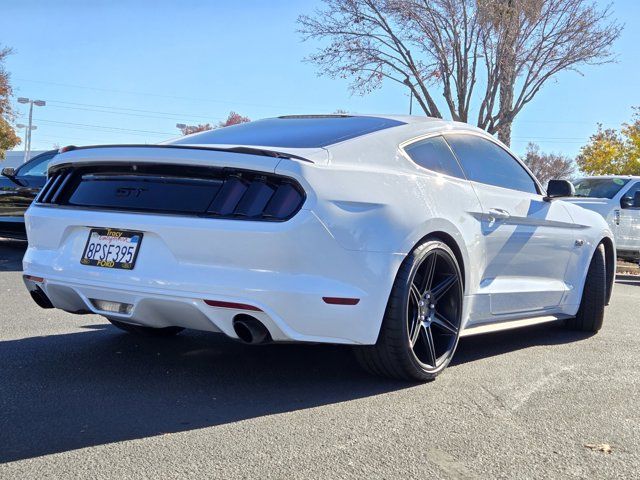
(247, 150)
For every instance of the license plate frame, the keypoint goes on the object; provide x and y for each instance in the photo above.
(111, 253)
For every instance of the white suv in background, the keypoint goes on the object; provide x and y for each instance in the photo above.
(617, 199)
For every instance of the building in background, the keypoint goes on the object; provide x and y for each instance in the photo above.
(15, 158)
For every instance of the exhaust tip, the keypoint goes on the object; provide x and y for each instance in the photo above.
(250, 330)
(37, 294)
(40, 298)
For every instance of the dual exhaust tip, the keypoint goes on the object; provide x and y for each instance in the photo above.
(250, 330)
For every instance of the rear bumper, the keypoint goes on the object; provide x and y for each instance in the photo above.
(282, 269)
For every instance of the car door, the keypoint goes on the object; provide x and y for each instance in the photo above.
(628, 228)
(527, 241)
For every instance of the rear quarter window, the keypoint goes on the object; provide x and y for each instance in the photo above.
(434, 154)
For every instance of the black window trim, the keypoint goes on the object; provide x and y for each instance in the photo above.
(541, 191)
(31, 161)
(634, 184)
(422, 138)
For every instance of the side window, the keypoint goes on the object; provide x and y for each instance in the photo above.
(434, 154)
(37, 167)
(485, 162)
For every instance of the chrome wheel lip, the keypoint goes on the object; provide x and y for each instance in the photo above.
(424, 314)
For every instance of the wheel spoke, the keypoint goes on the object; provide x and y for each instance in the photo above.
(429, 272)
(443, 287)
(415, 294)
(431, 347)
(444, 324)
(415, 332)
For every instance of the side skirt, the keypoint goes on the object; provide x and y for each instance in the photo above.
(510, 324)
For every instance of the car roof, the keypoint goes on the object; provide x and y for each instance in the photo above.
(605, 177)
(302, 131)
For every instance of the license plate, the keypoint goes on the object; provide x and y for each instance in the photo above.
(110, 248)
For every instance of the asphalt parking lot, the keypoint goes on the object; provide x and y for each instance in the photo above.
(79, 398)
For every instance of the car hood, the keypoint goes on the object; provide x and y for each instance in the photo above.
(600, 205)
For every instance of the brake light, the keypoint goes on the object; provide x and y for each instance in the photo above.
(68, 148)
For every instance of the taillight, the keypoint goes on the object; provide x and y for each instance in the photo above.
(256, 198)
(192, 190)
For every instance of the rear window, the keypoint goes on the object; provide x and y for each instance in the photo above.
(292, 132)
(599, 187)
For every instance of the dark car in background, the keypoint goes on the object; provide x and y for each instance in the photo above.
(18, 187)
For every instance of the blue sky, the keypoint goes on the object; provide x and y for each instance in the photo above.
(127, 72)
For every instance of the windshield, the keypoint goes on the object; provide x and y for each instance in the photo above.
(599, 187)
(305, 131)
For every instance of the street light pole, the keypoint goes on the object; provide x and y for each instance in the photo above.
(27, 140)
(27, 134)
(28, 146)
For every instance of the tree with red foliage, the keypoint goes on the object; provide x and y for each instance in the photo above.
(233, 119)
(189, 129)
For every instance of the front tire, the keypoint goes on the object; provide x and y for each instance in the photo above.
(594, 296)
(421, 326)
(146, 331)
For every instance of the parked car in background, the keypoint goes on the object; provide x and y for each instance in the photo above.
(617, 199)
(18, 187)
(394, 234)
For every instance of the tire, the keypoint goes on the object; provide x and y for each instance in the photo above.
(594, 296)
(418, 340)
(146, 331)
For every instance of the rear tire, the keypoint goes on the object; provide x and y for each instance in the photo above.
(594, 296)
(421, 326)
(146, 331)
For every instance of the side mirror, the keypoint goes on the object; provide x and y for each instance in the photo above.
(631, 202)
(9, 172)
(559, 188)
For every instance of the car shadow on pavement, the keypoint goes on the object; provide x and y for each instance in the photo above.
(64, 392)
(488, 345)
(97, 386)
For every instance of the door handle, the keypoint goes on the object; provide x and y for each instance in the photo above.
(498, 214)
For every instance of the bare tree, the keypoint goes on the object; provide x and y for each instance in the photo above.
(492, 56)
(548, 166)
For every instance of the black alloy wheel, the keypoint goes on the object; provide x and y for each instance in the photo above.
(421, 326)
(434, 309)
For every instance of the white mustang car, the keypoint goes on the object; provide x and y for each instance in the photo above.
(397, 235)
